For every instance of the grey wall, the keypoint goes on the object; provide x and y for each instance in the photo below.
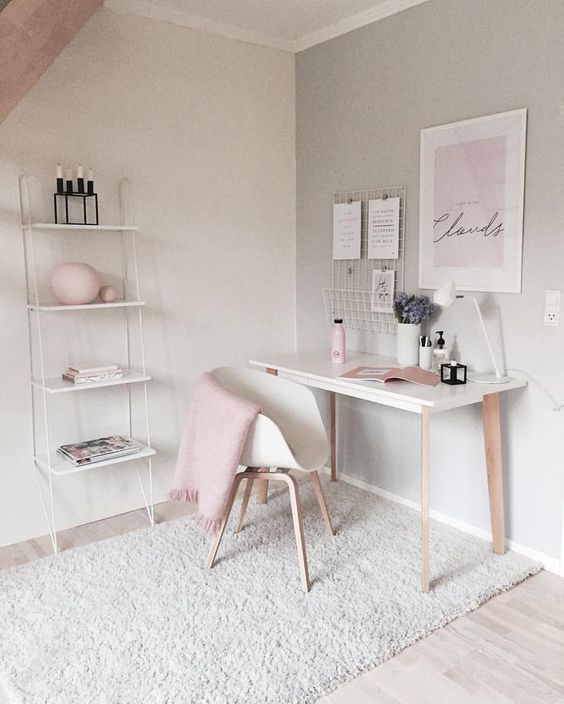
(204, 128)
(362, 100)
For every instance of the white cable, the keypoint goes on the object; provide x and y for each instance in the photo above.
(556, 407)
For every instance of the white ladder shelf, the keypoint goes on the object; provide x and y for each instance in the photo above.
(48, 465)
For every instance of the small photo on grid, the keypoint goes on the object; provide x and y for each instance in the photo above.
(382, 300)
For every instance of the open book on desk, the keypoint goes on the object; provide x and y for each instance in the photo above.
(382, 374)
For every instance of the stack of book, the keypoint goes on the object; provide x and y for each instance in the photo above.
(98, 450)
(91, 375)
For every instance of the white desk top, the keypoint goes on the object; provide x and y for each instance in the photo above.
(315, 369)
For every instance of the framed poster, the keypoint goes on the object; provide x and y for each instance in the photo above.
(382, 300)
(346, 230)
(383, 228)
(471, 203)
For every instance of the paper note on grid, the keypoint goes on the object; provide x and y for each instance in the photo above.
(383, 228)
(346, 230)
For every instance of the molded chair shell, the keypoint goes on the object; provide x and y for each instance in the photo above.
(288, 434)
(289, 431)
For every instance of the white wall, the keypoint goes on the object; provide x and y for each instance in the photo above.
(362, 100)
(204, 128)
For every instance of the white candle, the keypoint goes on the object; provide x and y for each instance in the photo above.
(79, 170)
(90, 175)
(69, 174)
(453, 362)
(59, 171)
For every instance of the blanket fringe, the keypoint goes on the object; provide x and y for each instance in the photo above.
(209, 525)
(186, 495)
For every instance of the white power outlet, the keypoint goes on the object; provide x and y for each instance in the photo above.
(552, 308)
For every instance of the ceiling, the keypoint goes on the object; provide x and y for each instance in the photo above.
(291, 25)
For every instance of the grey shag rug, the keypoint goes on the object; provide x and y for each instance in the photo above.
(135, 619)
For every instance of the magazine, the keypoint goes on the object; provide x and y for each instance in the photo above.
(94, 370)
(383, 374)
(98, 450)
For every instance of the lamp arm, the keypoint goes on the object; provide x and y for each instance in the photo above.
(488, 343)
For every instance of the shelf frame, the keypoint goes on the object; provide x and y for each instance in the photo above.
(54, 308)
(43, 388)
(60, 467)
(63, 227)
(60, 385)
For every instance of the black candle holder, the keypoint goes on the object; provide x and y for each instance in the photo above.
(454, 374)
(73, 194)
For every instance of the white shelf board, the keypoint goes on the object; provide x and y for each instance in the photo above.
(60, 467)
(88, 306)
(99, 228)
(59, 385)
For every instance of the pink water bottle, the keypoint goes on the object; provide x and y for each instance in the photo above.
(338, 342)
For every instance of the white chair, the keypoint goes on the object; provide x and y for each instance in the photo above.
(287, 434)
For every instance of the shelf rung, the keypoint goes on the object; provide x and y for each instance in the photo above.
(59, 385)
(60, 467)
(86, 306)
(63, 227)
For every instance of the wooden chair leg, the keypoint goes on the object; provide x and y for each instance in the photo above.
(262, 497)
(298, 529)
(322, 503)
(217, 540)
(245, 503)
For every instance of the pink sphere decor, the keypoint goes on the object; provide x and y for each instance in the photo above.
(75, 283)
(107, 294)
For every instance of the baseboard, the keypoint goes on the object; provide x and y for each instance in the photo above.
(85, 514)
(550, 563)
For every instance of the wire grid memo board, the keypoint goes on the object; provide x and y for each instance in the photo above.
(350, 296)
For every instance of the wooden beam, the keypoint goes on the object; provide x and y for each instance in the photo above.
(32, 34)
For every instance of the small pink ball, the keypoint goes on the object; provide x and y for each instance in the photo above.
(75, 283)
(107, 294)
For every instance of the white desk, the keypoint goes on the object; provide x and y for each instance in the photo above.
(316, 370)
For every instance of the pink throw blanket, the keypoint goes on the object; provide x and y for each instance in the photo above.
(215, 435)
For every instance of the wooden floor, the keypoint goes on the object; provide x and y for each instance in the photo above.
(509, 650)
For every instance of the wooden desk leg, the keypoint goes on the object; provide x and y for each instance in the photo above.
(262, 497)
(425, 417)
(492, 442)
(333, 428)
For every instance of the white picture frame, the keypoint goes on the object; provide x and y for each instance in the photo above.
(382, 298)
(471, 203)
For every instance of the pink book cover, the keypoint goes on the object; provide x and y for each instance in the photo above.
(414, 374)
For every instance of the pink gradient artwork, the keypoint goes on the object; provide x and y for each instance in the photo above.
(469, 203)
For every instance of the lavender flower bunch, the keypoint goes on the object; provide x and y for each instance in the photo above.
(412, 309)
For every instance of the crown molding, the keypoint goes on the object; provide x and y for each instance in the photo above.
(145, 8)
(378, 12)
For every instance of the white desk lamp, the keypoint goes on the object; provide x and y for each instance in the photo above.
(444, 296)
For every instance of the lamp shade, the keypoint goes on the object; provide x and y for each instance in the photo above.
(445, 295)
